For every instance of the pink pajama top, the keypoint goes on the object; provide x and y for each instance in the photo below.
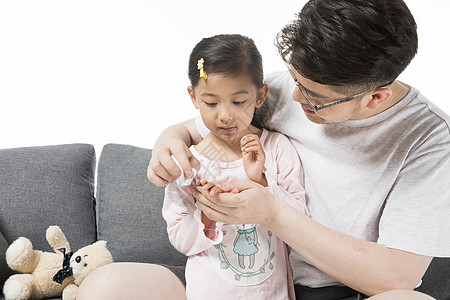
(236, 261)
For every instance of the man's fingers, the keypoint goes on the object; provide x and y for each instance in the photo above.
(209, 208)
(194, 162)
(236, 185)
(163, 168)
(166, 163)
(186, 160)
(202, 201)
(156, 172)
(230, 200)
(219, 200)
(211, 213)
(155, 179)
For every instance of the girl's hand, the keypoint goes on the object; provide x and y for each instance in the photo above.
(211, 189)
(208, 187)
(254, 158)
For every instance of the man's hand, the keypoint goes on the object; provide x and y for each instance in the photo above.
(240, 202)
(162, 169)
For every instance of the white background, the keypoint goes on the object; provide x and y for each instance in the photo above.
(108, 71)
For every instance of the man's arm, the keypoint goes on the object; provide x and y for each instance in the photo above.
(364, 266)
(174, 140)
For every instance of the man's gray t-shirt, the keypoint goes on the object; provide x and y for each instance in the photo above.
(384, 179)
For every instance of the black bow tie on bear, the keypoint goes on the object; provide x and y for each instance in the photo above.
(66, 270)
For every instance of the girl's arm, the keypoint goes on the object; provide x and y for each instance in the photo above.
(185, 225)
(175, 141)
(285, 173)
(210, 229)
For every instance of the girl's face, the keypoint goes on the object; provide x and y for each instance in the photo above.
(227, 104)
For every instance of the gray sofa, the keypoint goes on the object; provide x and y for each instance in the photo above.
(55, 185)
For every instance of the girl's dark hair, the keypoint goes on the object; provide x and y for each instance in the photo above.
(227, 54)
(356, 44)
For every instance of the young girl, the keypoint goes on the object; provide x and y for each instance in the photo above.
(233, 261)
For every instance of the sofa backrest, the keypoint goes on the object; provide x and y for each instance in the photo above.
(129, 208)
(49, 185)
(43, 186)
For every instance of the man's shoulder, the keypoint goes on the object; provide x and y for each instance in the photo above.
(433, 110)
(278, 100)
(277, 79)
(428, 115)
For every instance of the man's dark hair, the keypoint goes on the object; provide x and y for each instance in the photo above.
(356, 44)
(227, 54)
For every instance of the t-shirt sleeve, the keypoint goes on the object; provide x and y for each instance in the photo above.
(416, 213)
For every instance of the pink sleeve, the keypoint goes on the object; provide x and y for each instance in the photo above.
(183, 219)
(285, 172)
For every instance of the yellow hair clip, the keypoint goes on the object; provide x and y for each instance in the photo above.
(200, 63)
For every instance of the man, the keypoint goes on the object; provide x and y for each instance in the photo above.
(375, 152)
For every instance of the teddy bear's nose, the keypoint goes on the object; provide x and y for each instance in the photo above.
(78, 259)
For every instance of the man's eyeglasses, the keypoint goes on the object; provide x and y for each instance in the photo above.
(322, 106)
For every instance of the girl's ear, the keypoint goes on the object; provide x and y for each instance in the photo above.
(190, 90)
(262, 94)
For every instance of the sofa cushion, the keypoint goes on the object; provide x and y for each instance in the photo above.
(436, 281)
(129, 208)
(5, 271)
(49, 185)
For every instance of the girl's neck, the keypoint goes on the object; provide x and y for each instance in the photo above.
(215, 148)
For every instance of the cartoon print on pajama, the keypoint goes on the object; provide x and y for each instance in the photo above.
(246, 244)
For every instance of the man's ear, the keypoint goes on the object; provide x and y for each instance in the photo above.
(262, 94)
(191, 92)
(379, 96)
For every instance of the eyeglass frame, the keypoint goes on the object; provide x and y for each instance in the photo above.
(322, 106)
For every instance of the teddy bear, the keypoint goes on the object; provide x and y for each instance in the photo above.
(47, 274)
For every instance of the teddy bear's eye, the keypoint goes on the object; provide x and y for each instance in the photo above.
(85, 265)
(78, 259)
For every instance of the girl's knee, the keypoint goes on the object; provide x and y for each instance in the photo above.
(131, 281)
(100, 283)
